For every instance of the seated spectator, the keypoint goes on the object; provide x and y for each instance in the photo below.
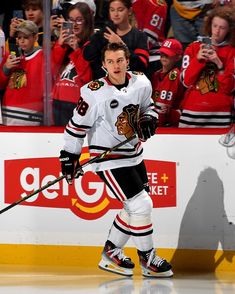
(75, 71)
(118, 30)
(151, 18)
(167, 88)
(208, 74)
(22, 78)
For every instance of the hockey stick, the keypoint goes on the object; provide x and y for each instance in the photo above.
(51, 183)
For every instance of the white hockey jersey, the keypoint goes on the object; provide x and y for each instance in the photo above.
(109, 116)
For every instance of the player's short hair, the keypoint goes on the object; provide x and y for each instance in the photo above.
(115, 47)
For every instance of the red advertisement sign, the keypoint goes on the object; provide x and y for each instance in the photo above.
(88, 198)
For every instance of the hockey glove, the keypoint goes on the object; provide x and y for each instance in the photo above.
(147, 125)
(70, 166)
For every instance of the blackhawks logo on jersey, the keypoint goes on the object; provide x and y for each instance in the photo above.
(18, 79)
(208, 80)
(156, 95)
(173, 75)
(95, 85)
(126, 123)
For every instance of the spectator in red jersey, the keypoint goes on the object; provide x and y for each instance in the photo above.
(120, 29)
(22, 78)
(75, 70)
(151, 18)
(167, 88)
(208, 73)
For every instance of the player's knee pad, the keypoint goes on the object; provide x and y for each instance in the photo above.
(141, 204)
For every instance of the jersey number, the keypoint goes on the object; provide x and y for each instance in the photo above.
(156, 21)
(166, 95)
(82, 107)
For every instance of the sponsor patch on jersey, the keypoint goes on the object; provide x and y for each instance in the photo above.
(114, 103)
(173, 75)
(137, 72)
(95, 85)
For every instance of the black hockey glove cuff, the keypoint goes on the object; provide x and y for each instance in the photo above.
(147, 125)
(70, 166)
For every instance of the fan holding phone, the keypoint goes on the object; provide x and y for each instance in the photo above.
(208, 73)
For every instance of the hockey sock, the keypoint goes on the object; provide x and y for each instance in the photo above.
(119, 233)
(139, 209)
(142, 232)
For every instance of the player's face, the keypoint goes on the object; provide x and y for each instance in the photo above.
(26, 43)
(168, 62)
(219, 29)
(115, 63)
(118, 13)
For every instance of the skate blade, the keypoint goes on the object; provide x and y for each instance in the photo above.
(111, 267)
(150, 274)
(228, 140)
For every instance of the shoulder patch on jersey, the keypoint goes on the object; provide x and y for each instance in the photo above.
(137, 72)
(173, 75)
(156, 95)
(95, 85)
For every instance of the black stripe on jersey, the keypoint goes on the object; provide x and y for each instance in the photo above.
(95, 147)
(22, 115)
(142, 234)
(120, 157)
(74, 135)
(197, 115)
(79, 126)
(207, 123)
(121, 229)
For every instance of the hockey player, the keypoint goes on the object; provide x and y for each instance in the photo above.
(109, 111)
(167, 88)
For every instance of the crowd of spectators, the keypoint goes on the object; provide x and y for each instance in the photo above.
(186, 49)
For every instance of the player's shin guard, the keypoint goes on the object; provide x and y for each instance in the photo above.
(113, 260)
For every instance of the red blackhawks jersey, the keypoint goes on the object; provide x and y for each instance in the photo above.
(22, 102)
(108, 116)
(151, 16)
(75, 74)
(208, 100)
(167, 94)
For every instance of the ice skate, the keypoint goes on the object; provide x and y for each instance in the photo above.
(153, 265)
(113, 260)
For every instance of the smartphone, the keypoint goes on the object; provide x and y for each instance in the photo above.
(68, 26)
(57, 11)
(111, 25)
(14, 49)
(18, 14)
(206, 41)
